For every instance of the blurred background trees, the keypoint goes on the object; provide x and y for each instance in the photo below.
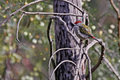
(29, 59)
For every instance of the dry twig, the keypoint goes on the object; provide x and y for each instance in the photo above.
(69, 61)
(118, 16)
(56, 53)
(12, 14)
(101, 56)
(109, 65)
(50, 13)
(34, 2)
(115, 7)
(65, 25)
(89, 64)
(18, 27)
(50, 41)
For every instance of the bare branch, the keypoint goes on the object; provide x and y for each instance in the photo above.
(34, 2)
(115, 7)
(89, 68)
(101, 56)
(92, 43)
(64, 23)
(51, 13)
(89, 65)
(59, 66)
(109, 65)
(50, 43)
(18, 27)
(56, 53)
(60, 19)
(118, 18)
(4, 21)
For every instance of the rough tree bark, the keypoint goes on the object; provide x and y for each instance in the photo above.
(68, 71)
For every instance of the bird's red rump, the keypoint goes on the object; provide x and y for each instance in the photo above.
(78, 22)
(93, 37)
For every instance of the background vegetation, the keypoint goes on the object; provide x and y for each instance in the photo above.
(29, 59)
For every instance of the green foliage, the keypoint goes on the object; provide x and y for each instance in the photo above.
(33, 51)
(104, 25)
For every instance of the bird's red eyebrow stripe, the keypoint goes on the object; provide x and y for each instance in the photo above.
(77, 22)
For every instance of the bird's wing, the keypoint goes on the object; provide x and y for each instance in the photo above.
(85, 30)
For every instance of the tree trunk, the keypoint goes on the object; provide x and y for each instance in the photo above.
(68, 71)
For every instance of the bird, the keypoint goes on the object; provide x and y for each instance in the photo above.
(83, 31)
